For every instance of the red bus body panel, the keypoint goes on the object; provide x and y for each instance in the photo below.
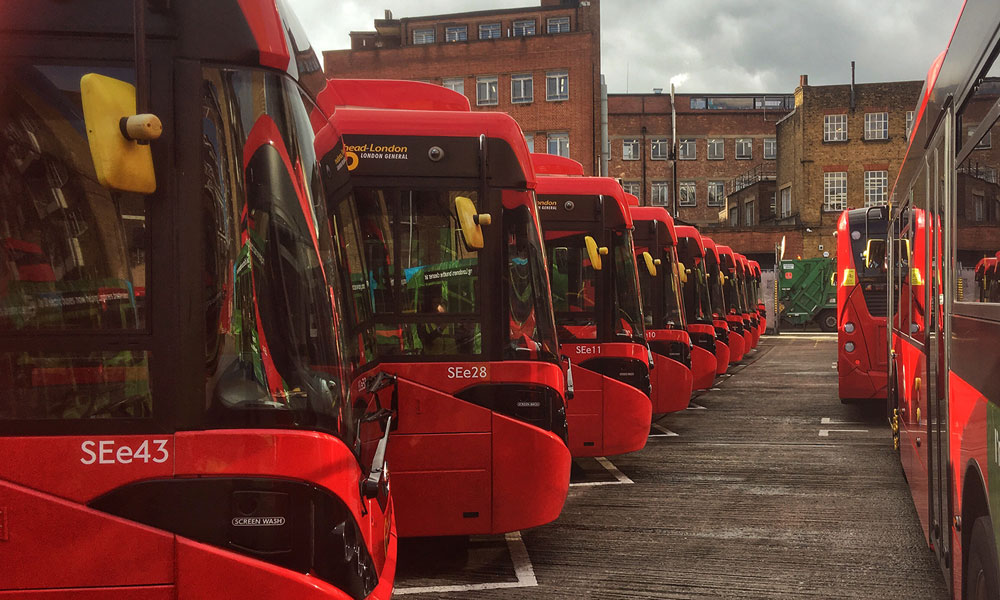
(671, 381)
(704, 364)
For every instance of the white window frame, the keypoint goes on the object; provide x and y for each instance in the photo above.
(486, 80)
(561, 139)
(834, 191)
(876, 188)
(744, 148)
(634, 188)
(424, 36)
(687, 193)
(786, 201)
(631, 147)
(835, 128)
(523, 25)
(558, 22)
(457, 33)
(659, 194)
(687, 149)
(498, 27)
(748, 214)
(720, 188)
(774, 203)
(517, 82)
(556, 76)
(984, 143)
(909, 123)
(773, 144)
(734, 216)
(716, 148)
(659, 148)
(877, 126)
(455, 84)
(529, 138)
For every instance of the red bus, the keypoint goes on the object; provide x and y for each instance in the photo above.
(943, 349)
(862, 363)
(714, 280)
(666, 324)
(750, 319)
(595, 290)
(735, 314)
(449, 261)
(757, 297)
(176, 414)
(698, 304)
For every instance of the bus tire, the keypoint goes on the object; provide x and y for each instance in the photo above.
(981, 578)
(827, 320)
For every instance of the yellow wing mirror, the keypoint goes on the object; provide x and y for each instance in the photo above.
(594, 252)
(119, 138)
(650, 263)
(684, 275)
(471, 221)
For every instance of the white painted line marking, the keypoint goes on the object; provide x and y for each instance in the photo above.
(614, 470)
(829, 421)
(523, 570)
(826, 432)
(693, 406)
(666, 432)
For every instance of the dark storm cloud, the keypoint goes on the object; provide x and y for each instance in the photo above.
(714, 45)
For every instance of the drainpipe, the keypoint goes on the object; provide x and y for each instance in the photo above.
(673, 150)
(605, 143)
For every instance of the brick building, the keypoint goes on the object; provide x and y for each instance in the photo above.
(840, 148)
(719, 137)
(541, 64)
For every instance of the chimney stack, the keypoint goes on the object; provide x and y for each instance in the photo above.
(803, 80)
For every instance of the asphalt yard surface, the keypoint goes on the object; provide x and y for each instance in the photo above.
(767, 487)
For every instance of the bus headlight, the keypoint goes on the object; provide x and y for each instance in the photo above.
(849, 346)
(848, 327)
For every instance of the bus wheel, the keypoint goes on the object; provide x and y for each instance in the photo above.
(981, 578)
(827, 320)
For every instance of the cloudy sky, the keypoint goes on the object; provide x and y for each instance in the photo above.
(712, 45)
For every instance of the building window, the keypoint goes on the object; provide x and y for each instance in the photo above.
(489, 31)
(529, 138)
(524, 28)
(835, 191)
(455, 84)
(979, 205)
(770, 148)
(521, 89)
(558, 144)
(687, 149)
(634, 188)
(630, 149)
(658, 149)
(786, 202)
(486, 91)
(686, 194)
(557, 25)
(734, 216)
(716, 149)
(456, 34)
(423, 36)
(557, 85)
(748, 214)
(909, 123)
(744, 149)
(877, 126)
(985, 143)
(716, 193)
(774, 201)
(876, 188)
(835, 128)
(660, 193)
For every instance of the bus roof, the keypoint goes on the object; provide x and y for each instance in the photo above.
(654, 213)
(552, 164)
(687, 231)
(390, 93)
(586, 186)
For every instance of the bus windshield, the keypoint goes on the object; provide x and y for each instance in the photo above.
(532, 333)
(627, 322)
(715, 285)
(574, 282)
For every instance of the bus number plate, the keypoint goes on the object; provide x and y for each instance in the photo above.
(109, 452)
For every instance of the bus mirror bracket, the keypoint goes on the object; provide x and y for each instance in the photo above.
(119, 138)
(375, 485)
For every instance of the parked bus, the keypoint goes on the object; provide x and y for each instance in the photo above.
(749, 306)
(176, 411)
(862, 293)
(758, 296)
(448, 258)
(944, 349)
(595, 290)
(697, 297)
(734, 302)
(714, 279)
(674, 355)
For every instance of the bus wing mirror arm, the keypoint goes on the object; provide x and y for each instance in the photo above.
(374, 484)
(569, 377)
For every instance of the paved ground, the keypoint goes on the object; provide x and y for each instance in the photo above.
(773, 490)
